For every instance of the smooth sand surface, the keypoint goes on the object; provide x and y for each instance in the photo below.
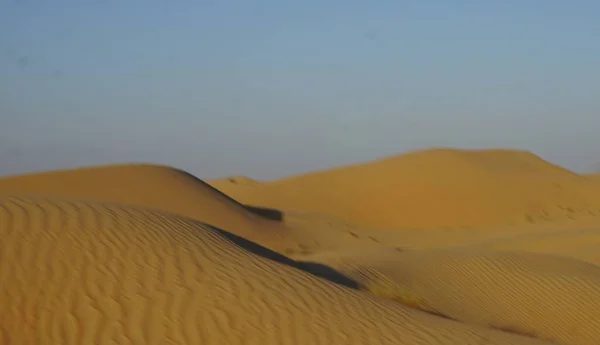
(422, 190)
(432, 247)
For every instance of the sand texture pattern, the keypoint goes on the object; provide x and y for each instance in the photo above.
(438, 246)
(158, 187)
(540, 295)
(77, 272)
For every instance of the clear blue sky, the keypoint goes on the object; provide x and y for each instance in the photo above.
(272, 88)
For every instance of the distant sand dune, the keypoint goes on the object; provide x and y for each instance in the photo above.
(435, 188)
(541, 295)
(75, 272)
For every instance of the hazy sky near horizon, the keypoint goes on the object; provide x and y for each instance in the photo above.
(273, 88)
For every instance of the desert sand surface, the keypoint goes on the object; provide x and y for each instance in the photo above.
(422, 189)
(98, 273)
(157, 187)
(441, 246)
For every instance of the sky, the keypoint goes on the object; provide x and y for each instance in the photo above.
(270, 88)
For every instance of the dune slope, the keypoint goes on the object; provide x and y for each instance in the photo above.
(435, 188)
(594, 177)
(158, 187)
(76, 272)
(541, 295)
(579, 240)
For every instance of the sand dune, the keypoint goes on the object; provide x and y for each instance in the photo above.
(542, 295)
(158, 187)
(94, 273)
(433, 247)
(435, 188)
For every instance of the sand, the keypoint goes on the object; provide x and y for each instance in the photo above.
(158, 187)
(433, 247)
(540, 295)
(420, 189)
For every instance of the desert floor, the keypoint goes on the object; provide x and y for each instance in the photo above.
(440, 246)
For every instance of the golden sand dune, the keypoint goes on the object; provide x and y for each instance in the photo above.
(134, 254)
(435, 188)
(158, 187)
(76, 272)
(542, 295)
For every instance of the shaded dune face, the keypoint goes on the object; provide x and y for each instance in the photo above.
(539, 295)
(74, 272)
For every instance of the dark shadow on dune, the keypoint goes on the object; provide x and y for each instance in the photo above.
(516, 330)
(316, 269)
(313, 268)
(267, 213)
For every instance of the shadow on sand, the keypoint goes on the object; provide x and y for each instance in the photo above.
(316, 269)
(269, 213)
(264, 212)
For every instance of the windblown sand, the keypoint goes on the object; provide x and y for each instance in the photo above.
(432, 247)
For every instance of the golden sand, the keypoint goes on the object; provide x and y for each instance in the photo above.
(433, 247)
(540, 295)
(157, 187)
(96, 273)
(434, 188)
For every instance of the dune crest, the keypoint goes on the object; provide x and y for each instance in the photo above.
(235, 180)
(154, 186)
(435, 188)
